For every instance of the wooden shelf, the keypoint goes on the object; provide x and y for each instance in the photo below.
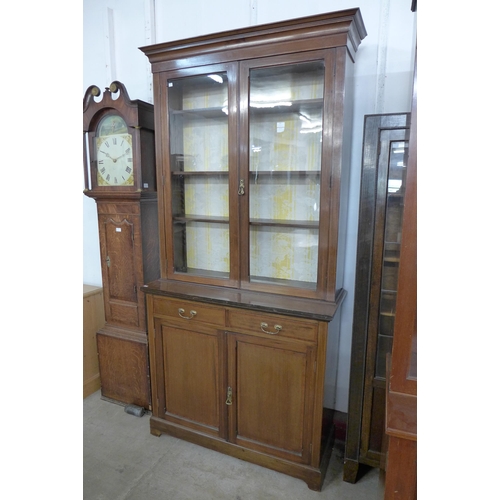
(199, 173)
(200, 218)
(286, 173)
(210, 113)
(285, 223)
(295, 107)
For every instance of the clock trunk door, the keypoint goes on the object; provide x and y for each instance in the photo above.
(118, 264)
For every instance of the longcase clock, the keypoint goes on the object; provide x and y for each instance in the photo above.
(119, 172)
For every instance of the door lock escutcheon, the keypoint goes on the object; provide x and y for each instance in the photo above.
(229, 396)
(241, 188)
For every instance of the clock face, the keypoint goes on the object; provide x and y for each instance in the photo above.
(114, 156)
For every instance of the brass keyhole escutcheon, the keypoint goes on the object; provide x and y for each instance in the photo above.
(229, 396)
(241, 189)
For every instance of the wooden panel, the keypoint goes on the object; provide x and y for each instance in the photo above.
(276, 420)
(125, 313)
(290, 327)
(198, 312)
(118, 207)
(376, 432)
(119, 242)
(93, 320)
(401, 426)
(191, 379)
(401, 481)
(123, 364)
(402, 415)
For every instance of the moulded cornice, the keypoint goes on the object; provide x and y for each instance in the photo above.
(341, 28)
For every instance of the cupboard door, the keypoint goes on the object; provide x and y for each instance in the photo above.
(189, 374)
(271, 395)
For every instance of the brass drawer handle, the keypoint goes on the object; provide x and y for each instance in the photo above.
(278, 328)
(192, 314)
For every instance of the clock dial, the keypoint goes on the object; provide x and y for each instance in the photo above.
(115, 160)
(114, 152)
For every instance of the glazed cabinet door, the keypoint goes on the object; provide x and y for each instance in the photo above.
(270, 395)
(201, 174)
(189, 374)
(282, 115)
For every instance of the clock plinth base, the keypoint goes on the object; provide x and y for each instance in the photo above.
(123, 366)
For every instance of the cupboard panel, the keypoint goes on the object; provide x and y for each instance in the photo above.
(272, 403)
(192, 378)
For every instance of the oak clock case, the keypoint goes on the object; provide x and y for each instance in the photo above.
(252, 140)
(119, 168)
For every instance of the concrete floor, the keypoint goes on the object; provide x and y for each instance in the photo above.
(123, 461)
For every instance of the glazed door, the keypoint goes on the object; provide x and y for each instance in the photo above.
(201, 175)
(284, 109)
(270, 395)
(190, 368)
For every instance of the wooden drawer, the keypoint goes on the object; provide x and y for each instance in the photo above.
(195, 312)
(248, 322)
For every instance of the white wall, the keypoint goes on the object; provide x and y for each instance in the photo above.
(114, 29)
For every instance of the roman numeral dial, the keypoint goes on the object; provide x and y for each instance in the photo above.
(115, 160)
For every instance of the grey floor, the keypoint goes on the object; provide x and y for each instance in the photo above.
(123, 461)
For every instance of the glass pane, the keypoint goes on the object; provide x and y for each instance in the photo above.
(275, 249)
(392, 238)
(199, 173)
(285, 132)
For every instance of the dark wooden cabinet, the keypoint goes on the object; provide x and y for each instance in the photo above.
(401, 411)
(252, 145)
(120, 130)
(382, 200)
